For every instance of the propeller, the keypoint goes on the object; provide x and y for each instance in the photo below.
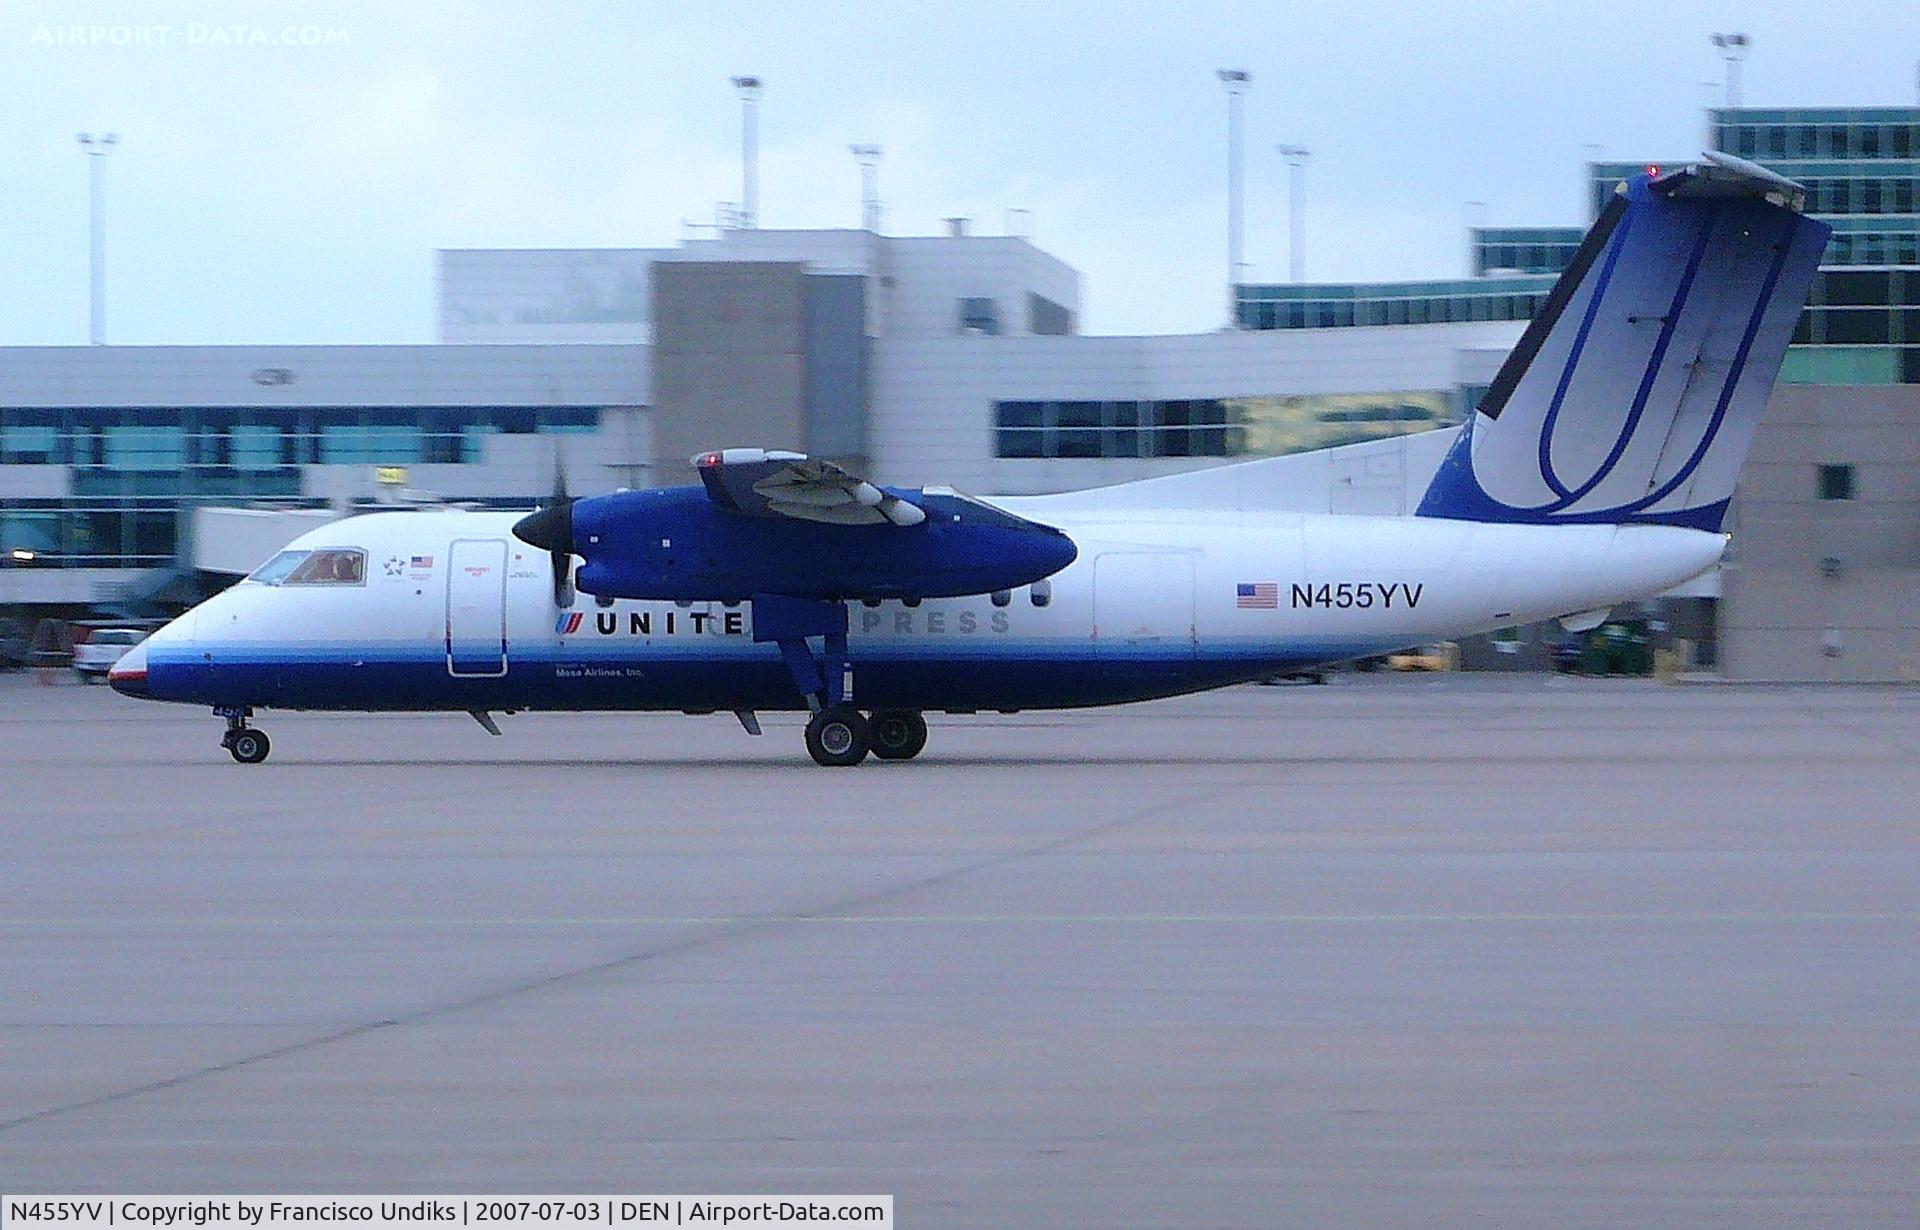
(550, 528)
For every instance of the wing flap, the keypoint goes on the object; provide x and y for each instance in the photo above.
(776, 483)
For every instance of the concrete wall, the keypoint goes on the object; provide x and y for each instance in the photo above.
(728, 363)
(270, 376)
(927, 278)
(544, 294)
(837, 354)
(1807, 576)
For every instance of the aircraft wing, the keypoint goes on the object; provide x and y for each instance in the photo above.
(758, 482)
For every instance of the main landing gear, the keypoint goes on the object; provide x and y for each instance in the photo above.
(898, 734)
(838, 734)
(243, 742)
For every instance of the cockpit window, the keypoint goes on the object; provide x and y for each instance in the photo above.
(334, 566)
(276, 569)
(327, 566)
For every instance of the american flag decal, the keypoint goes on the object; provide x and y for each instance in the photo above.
(1257, 596)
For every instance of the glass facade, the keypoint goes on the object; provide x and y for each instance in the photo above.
(1348, 304)
(1524, 249)
(1216, 426)
(1861, 167)
(134, 469)
(1191, 428)
(1806, 134)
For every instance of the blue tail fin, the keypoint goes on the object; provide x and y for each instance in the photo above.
(1634, 393)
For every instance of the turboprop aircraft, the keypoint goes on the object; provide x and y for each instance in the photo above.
(1596, 470)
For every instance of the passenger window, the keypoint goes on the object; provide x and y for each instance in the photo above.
(1002, 596)
(1041, 592)
(331, 566)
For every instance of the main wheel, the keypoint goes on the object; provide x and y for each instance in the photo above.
(838, 736)
(898, 734)
(249, 746)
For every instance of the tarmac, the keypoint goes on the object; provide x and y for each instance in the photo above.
(1390, 952)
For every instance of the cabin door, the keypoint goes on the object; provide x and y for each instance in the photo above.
(1143, 604)
(477, 607)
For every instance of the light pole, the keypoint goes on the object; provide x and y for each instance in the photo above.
(1733, 49)
(869, 158)
(1237, 81)
(96, 149)
(1296, 156)
(749, 89)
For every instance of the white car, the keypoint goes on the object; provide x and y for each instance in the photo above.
(95, 656)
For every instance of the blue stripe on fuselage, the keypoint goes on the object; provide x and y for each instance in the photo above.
(554, 678)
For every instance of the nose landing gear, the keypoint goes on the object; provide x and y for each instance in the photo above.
(243, 742)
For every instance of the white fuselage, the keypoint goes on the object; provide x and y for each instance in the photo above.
(454, 613)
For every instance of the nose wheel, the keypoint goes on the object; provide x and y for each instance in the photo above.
(243, 742)
(249, 746)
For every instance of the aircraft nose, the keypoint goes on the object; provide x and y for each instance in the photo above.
(129, 675)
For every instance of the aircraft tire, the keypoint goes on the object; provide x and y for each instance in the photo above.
(898, 734)
(838, 736)
(249, 746)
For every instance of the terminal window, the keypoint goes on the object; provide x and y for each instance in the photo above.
(29, 444)
(979, 315)
(1836, 482)
(1216, 426)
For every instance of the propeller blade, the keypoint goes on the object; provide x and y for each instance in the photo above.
(550, 528)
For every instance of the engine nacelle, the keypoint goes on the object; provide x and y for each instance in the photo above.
(675, 544)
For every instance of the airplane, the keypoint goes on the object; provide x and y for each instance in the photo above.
(1596, 470)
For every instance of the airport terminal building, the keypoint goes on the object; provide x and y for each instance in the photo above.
(957, 359)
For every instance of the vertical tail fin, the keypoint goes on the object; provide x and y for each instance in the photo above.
(1634, 393)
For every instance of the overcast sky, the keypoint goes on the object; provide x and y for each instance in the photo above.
(295, 193)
